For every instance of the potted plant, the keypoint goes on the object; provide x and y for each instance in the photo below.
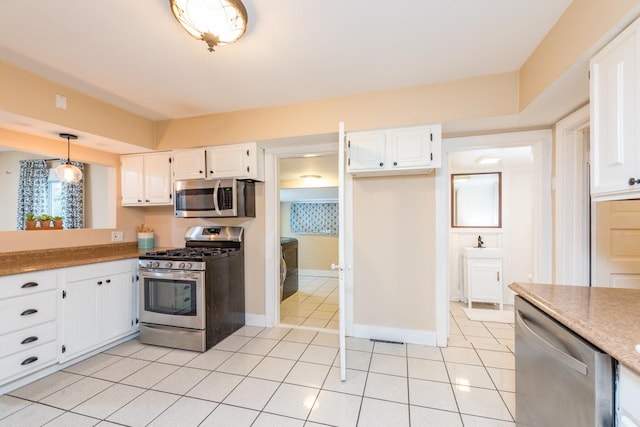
(30, 221)
(57, 222)
(45, 220)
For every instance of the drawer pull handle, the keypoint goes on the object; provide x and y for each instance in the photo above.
(29, 360)
(28, 312)
(29, 340)
(29, 285)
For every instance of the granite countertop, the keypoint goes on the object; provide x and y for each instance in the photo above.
(48, 259)
(608, 318)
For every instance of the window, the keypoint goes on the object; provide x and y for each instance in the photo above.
(314, 218)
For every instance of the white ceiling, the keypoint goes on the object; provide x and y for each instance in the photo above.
(135, 55)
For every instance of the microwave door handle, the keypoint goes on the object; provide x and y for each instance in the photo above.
(215, 197)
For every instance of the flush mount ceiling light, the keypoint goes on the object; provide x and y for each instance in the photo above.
(66, 171)
(216, 22)
(488, 159)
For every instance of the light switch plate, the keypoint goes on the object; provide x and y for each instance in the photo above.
(117, 236)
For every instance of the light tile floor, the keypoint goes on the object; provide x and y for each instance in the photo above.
(315, 304)
(283, 377)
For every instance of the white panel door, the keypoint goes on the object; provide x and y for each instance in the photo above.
(341, 252)
(617, 252)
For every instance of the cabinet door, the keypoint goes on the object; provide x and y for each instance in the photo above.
(410, 148)
(116, 298)
(189, 164)
(83, 316)
(230, 161)
(614, 114)
(485, 280)
(132, 179)
(157, 178)
(366, 151)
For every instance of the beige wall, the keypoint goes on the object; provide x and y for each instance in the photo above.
(31, 96)
(584, 24)
(485, 96)
(394, 252)
(315, 252)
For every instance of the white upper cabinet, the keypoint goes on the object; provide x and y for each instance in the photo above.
(146, 179)
(615, 115)
(189, 164)
(411, 150)
(241, 161)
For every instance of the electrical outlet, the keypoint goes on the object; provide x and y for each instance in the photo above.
(117, 236)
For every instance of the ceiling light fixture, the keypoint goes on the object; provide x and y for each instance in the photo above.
(66, 171)
(216, 22)
(488, 159)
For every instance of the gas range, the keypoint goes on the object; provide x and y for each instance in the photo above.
(202, 244)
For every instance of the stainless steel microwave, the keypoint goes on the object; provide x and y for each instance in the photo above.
(217, 198)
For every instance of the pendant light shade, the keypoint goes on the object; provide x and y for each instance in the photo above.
(217, 22)
(66, 171)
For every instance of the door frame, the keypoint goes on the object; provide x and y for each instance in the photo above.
(572, 227)
(540, 143)
(272, 227)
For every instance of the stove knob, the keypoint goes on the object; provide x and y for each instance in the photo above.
(168, 264)
(156, 264)
(150, 264)
(189, 265)
(181, 265)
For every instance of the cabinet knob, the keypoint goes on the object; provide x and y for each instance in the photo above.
(139, 200)
(395, 163)
(147, 200)
(108, 280)
(210, 172)
(381, 164)
(200, 172)
(100, 282)
(633, 181)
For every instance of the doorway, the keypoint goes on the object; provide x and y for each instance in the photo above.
(309, 241)
(275, 153)
(539, 143)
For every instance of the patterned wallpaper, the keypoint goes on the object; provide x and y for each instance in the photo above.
(314, 218)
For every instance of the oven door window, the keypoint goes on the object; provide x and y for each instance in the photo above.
(172, 297)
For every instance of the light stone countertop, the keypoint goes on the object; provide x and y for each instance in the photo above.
(608, 318)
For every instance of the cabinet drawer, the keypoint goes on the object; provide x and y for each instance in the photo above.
(89, 271)
(27, 361)
(24, 312)
(27, 339)
(28, 283)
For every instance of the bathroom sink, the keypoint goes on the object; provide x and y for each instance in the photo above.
(471, 252)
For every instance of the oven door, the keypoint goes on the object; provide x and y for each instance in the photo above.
(172, 298)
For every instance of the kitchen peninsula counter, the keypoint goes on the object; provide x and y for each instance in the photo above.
(608, 318)
(48, 259)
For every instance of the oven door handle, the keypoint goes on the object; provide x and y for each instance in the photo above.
(173, 275)
(215, 197)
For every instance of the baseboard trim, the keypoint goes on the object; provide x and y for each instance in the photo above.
(318, 273)
(255, 320)
(408, 336)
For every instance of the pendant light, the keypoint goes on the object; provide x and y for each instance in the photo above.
(66, 171)
(216, 22)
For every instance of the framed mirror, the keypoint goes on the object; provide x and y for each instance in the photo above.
(476, 200)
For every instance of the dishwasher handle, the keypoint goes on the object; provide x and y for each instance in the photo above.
(565, 358)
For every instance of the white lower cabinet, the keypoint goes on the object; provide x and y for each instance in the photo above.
(483, 275)
(28, 323)
(628, 398)
(98, 306)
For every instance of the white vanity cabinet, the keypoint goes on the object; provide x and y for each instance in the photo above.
(242, 161)
(98, 305)
(615, 110)
(628, 397)
(410, 150)
(146, 179)
(28, 323)
(483, 275)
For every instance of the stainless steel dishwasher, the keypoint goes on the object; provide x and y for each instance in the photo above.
(561, 379)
